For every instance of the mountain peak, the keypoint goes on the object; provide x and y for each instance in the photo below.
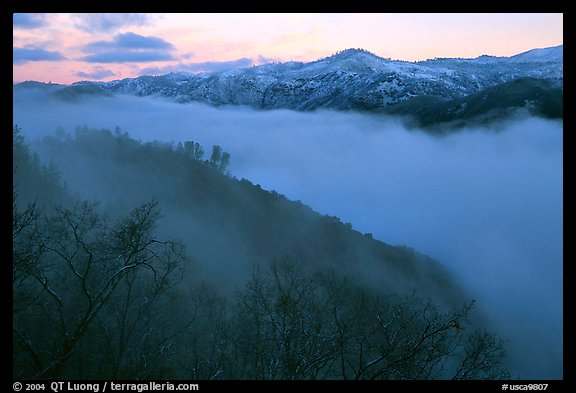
(553, 53)
(352, 52)
(352, 79)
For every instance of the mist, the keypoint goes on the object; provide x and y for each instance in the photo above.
(486, 202)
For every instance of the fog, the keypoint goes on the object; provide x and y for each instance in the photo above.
(485, 202)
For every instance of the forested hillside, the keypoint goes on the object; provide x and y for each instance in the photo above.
(148, 261)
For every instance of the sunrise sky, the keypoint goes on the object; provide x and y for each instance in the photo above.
(64, 48)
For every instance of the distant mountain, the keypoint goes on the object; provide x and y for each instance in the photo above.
(34, 85)
(355, 79)
(539, 96)
(76, 92)
(552, 54)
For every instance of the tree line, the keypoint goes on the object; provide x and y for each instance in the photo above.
(219, 159)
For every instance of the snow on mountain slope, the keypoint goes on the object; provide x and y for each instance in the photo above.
(539, 96)
(353, 79)
(554, 54)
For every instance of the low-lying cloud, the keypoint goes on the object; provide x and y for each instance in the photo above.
(487, 203)
(97, 73)
(198, 67)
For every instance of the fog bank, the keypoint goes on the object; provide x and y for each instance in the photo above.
(487, 203)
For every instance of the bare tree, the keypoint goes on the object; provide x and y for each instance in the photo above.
(205, 347)
(294, 325)
(483, 357)
(282, 329)
(86, 270)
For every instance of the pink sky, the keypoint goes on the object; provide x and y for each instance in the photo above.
(64, 48)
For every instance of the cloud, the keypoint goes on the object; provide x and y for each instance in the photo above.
(206, 66)
(265, 60)
(486, 203)
(119, 56)
(24, 55)
(28, 21)
(97, 73)
(128, 47)
(129, 41)
(104, 23)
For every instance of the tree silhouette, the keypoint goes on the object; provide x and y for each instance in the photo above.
(294, 325)
(219, 159)
(193, 150)
(81, 272)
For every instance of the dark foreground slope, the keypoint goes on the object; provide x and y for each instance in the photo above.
(182, 272)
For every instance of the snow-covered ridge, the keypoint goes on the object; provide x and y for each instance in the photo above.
(555, 53)
(350, 79)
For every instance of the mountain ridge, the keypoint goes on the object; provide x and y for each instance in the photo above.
(352, 79)
(553, 53)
